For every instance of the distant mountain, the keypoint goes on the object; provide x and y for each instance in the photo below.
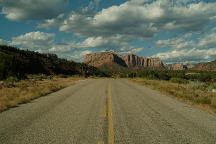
(208, 66)
(15, 62)
(111, 61)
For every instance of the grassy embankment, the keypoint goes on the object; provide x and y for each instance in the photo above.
(199, 94)
(13, 92)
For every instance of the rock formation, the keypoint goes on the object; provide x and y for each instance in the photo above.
(99, 59)
(177, 66)
(134, 61)
(130, 61)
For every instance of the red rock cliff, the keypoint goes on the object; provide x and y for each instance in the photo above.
(130, 61)
(99, 59)
(134, 61)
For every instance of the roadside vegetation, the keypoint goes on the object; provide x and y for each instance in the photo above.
(14, 91)
(26, 75)
(198, 88)
(19, 63)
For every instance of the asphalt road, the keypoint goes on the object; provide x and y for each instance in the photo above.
(104, 111)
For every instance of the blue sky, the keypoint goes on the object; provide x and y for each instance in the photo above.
(176, 31)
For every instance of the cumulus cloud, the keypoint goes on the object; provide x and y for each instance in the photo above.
(35, 41)
(185, 48)
(208, 41)
(139, 18)
(116, 44)
(78, 55)
(32, 9)
(54, 22)
(115, 27)
(68, 51)
(45, 43)
(187, 42)
(177, 43)
(191, 55)
(3, 42)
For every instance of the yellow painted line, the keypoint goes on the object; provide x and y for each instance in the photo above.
(110, 115)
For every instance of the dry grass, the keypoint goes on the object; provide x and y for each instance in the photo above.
(193, 92)
(15, 93)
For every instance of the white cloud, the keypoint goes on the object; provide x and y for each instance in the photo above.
(118, 44)
(209, 40)
(45, 43)
(32, 9)
(191, 55)
(69, 51)
(139, 18)
(185, 48)
(3, 42)
(52, 22)
(36, 41)
(115, 27)
(79, 55)
(85, 52)
(187, 42)
(112, 41)
(178, 42)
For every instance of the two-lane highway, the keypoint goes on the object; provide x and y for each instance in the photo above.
(100, 111)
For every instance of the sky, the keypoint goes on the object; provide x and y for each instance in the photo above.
(177, 31)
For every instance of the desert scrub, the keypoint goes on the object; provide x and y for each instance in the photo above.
(195, 92)
(213, 102)
(179, 80)
(13, 93)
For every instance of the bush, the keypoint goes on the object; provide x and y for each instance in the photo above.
(213, 102)
(179, 80)
(12, 79)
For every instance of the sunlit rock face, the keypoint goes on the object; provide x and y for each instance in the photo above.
(99, 59)
(134, 61)
(130, 61)
(177, 66)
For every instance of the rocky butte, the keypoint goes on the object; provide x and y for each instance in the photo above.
(129, 61)
(177, 66)
(136, 62)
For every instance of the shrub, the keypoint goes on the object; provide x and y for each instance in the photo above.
(179, 80)
(196, 85)
(213, 101)
(12, 79)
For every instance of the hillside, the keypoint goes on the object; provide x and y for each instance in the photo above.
(209, 66)
(19, 63)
